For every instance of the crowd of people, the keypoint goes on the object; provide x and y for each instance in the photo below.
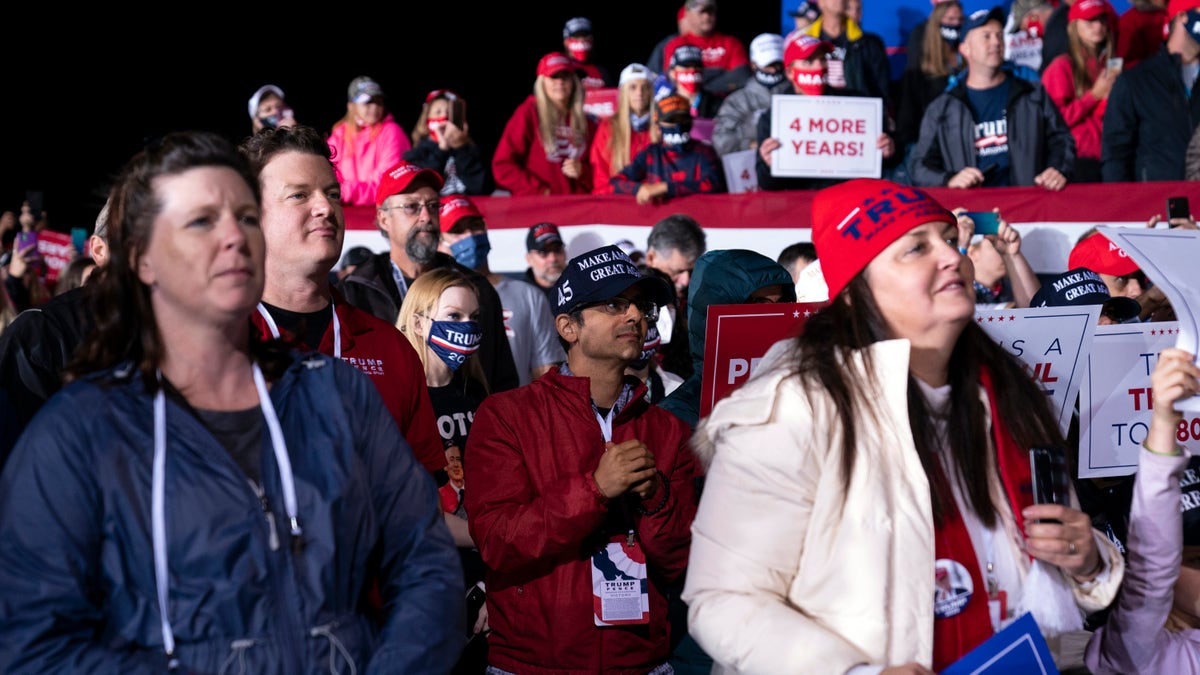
(228, 444)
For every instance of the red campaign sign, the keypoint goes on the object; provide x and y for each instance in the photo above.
(601, 103)
(56, 250)
(737, 336)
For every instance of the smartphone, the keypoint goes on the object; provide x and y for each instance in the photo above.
(475, 600)
(79, 239)
(458, 112)
(27, 239)
(1051, 479)
(986, 222)
(1177, 207)
(1115, 64)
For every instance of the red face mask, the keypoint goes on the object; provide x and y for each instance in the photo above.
(688, 81)
(579, 48)
(809, 81)
(1034, 27)
(434, 124)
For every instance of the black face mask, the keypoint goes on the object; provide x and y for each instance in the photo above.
(950, 34)
(675, 135)
(768, 79)
(269, 122)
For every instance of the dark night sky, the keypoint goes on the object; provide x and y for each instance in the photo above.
(73, 113)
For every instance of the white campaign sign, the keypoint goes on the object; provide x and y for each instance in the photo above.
(740, 174)
(826, 136)
(1114, 398)
(1168, 257)
(1052, 342)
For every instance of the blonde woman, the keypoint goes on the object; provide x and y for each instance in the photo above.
(620, 137)
(442, 142)
(936, 61)
(544, 147)
(440, 317)
(366, 142)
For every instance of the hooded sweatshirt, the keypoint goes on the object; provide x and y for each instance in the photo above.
(722, 277)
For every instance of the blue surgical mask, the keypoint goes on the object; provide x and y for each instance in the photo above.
(454, 341)
(675, 136)
(471, 251)
(950, 34)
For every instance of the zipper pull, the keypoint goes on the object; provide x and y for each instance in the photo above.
(272, 531)
(993, 585)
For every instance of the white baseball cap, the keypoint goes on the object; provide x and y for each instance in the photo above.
(636, 71)
(766, 49)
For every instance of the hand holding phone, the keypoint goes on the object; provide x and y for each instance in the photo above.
(1178, 208)
(986, 222)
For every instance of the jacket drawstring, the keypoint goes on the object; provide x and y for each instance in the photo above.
(335, 647)
(237, 650)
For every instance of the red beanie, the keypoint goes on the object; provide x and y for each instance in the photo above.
(853, 222)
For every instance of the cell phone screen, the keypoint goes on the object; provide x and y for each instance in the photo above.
(1177, 207)
(986, 222)
(1051, 479)
(458, 112)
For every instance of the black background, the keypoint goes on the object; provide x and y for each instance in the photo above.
(80, 99)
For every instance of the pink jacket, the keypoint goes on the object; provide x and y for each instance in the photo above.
(360, 167)
(1083, 114)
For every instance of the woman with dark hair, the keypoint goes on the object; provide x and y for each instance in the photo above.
(198, 499)
(887, 442)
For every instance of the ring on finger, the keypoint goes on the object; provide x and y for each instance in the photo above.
(1071, 547)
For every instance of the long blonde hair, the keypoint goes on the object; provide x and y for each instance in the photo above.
(936, 53)
(1079, 53)
(421, 301)
(621, 125)
(550, 118)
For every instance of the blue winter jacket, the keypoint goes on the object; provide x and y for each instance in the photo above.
(77, 573)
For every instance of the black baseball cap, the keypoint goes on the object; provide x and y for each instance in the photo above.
(604, 273)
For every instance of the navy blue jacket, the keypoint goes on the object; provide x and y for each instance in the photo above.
(76, 550)
(1148, 122)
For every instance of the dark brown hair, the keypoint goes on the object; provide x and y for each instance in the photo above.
(839, 334)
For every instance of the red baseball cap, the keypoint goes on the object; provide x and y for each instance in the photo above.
(455, 209)
(853, 222)
(803, 47)
(1089, 9)
(1098, 254)
(397, 179)
(553, 64)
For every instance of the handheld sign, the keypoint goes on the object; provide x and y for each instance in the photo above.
(740, 174)
(826, 136)
(737, 336)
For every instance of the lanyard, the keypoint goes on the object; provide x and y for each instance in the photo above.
(158, 494)
(337, 328)
(398, 277)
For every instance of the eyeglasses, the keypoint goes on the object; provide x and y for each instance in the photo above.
(618, 306)
(414, 209)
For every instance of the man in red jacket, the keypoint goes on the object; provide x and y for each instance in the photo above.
(304, 225)
(582, 492)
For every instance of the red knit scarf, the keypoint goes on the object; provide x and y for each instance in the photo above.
(956, 635)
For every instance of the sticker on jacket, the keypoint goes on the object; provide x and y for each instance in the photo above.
(620, 594)
(952, 588)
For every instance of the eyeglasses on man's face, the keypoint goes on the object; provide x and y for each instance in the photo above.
(413, 209)
(618, 306)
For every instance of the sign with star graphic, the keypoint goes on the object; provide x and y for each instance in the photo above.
(1052, 342)
(737, 336)
(1115, 402)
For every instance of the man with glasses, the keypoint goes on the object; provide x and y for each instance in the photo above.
(583, 492)
(407, 213)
